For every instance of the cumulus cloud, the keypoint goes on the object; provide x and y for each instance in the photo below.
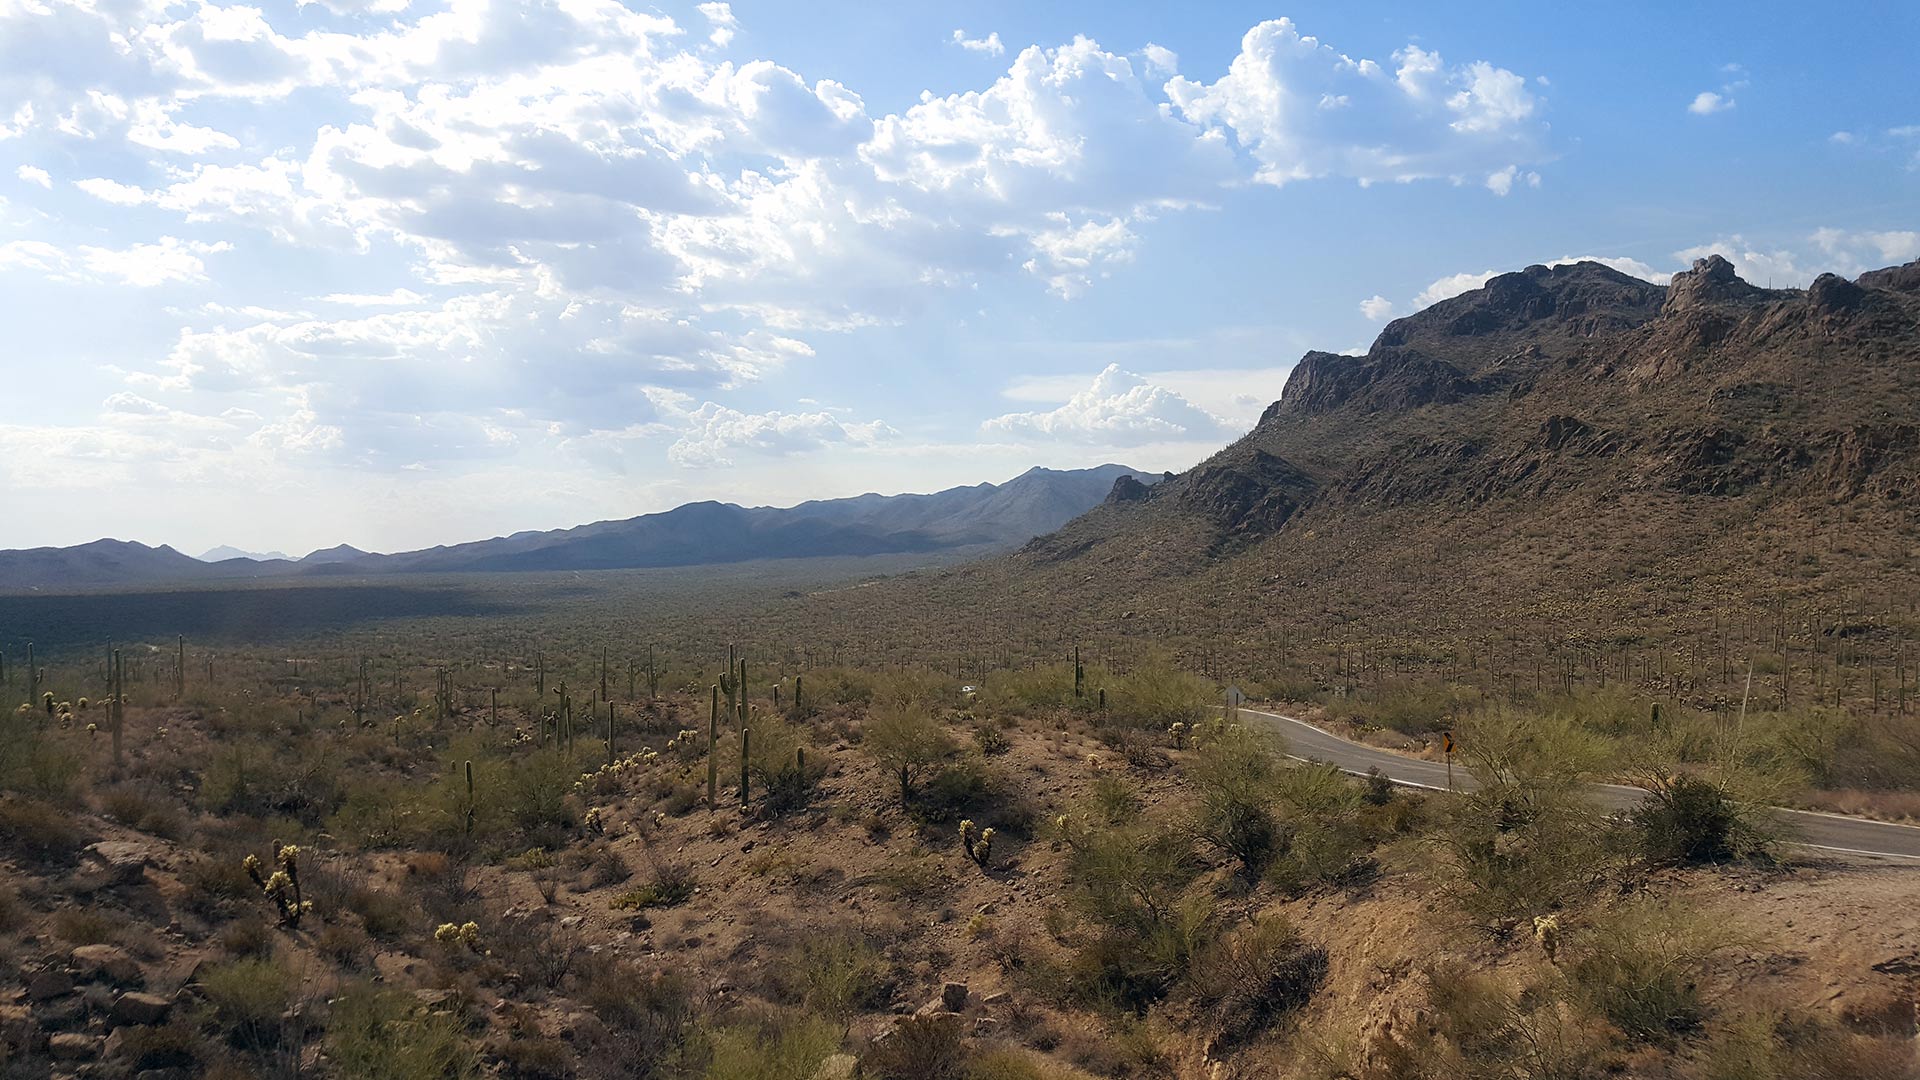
(1706, 103)
(1305, 110)
(1118, 409)
(1502, 181)
(990, 44)
(715, 434)
(1161, 60)
(34, 175)
(1376, 307)
(720, 16)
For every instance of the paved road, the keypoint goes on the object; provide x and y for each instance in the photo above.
(1826, 832)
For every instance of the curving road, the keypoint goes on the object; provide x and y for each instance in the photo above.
(1825, 832)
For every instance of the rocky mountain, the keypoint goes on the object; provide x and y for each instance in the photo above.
(979, 518)
(1567, 453)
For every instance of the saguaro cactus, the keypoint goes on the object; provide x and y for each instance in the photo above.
(1079, 672)
(33, 675)
(713, 761)
(116, 710)
(470, 804)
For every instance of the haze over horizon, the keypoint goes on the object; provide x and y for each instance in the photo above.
(403, 274)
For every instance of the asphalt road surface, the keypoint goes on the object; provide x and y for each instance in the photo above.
(1825, 832)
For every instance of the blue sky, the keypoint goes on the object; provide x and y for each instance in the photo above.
(400, 273)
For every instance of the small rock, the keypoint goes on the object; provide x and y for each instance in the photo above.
(998, 997)
(954, 996)
(985, 1025)
(572, 922)
(71, 1046)
(838, 1067)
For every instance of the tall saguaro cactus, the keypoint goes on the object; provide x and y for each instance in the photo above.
(116, 711)
(713, 760)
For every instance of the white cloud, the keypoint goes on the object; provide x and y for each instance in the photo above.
(1849, 252)
(1706, 103)
(396, 298)
(1452, 285)
(1161, 60)
(990, 44)
(1305, 110)
(716, 433)
(33, 175)
(1119, 409)
(169, 261)
(1376, 307)
(721, 17)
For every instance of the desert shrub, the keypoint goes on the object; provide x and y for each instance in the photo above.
(1245, 981)
(965, 786)
(990, 738)
(12, 911)
(1158, 695)
(83, 926)
(1690, 819)
(1025, 692)
(671, 883)
(387, 1035)
(37, 762)
(174, 1045)
(149, 811)
(1329, 833)
(777, 1049)
(647, 1012)
(1234, 771)
(906, 741)
(265, 779)
(1482, 1028)
(834, 974)
(919, 1048)
(1771, 1044)
(1528, 840)
(1411, 708)
(1011, 1063)
(248, 997)
(1113, 799)
(1132, 883)
(777, 768)
(913, 877)
(534, 793)
(41, 832)
(1641, 967)
(216, 885)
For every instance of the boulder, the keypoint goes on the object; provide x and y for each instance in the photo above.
(109, 962)
(73, 1046)
(118, 862)
(953, 996)
(47, 984)
(139, 1009)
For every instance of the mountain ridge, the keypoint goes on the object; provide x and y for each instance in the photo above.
(976, 517)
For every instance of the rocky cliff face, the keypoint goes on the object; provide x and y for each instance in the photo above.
(1580, 381)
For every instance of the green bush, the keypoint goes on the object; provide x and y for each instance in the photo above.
(1688, 819)
(778, 1049)
(1158, 695)
(906, 741)
(835, 974)
(1132, 883)
(248, 997)
(919, 1048)
(1642, 965)
(1245, 981)
(1234, 772)
(380, 1034)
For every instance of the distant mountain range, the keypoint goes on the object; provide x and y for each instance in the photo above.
(223, 553)
(981, 518)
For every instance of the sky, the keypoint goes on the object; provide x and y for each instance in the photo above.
(398, 273)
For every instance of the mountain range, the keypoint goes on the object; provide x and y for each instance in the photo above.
(979, 518)
(1568, 460)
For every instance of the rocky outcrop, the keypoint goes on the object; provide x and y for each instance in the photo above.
(1383, 380)
(1711, 283)
(1126, 489)
(1254, 494)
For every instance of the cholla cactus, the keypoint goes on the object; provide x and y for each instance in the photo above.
(977, 846)
(80, 704)
(46, 702)
(467, 934)
(596, 822)
(1179, 733)
(1546, 931)
(283, 885)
